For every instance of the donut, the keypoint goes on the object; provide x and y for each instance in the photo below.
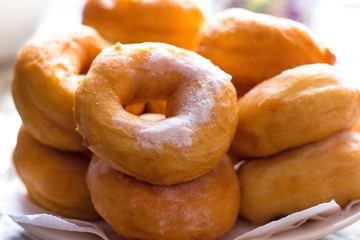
(297, 107)
(47, 72)
(300, 178)
(54, 180)
(200, 120)
(253, 47)
(204, 208)
(175, 22)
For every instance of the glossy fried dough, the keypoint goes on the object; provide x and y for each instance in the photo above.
(253, 47)
(55, 180)
(175, 22)
(201, 106)
(299, 106)
(47, 72)
(204, 208)
(301, 178)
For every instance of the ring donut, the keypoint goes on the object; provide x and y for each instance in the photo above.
(299, 106)
(55, 180)
(175, 22)
(300, 178)
(200, 120)
(253, 47)
(47, 73)
(204, 208)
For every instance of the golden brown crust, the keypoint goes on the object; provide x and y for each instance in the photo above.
(253, 47)
(204, 208)
(296, 107)
(176, 22)
(201, 113)
(55, 180)
(301, 178)
(47, 72)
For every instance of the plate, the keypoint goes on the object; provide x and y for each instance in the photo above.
(312, 223)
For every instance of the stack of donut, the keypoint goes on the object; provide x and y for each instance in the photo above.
(160, 179)
(50, 157)
(295, 115)
(150, 177)
(254, 86)
(295, 130)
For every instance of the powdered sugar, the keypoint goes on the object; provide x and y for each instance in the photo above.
(193, 66)
(202, 82)
(205, 79)
(174, 131)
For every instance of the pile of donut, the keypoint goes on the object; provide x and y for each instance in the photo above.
(143, 116)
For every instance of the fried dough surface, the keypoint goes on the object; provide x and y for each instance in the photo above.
(55, 180)
(301, 178)
(253, 47)
(204, 208)
(297, 107)
(175, 22)
(47, 72)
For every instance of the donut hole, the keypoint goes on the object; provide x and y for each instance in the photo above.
(84, 69)
(135, 109)
(156, 107)
(153, 117)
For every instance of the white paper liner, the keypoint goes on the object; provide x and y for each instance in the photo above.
(311, 223)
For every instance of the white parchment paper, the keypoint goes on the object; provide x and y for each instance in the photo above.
(311, 223)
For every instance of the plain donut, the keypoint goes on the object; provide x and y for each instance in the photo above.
(299, 106)
(301, 178)
(253, 47)
(54, 179)
(47, 73)
(175, 22)
(204, 208)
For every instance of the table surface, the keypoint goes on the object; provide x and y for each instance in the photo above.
(346, 47)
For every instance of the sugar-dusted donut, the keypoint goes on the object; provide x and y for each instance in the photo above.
(301, 178)
(200, 120)
(204, 208)
(176, 22)
(253, 47)
(47, 72)
(55, 180)
(297, 107)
